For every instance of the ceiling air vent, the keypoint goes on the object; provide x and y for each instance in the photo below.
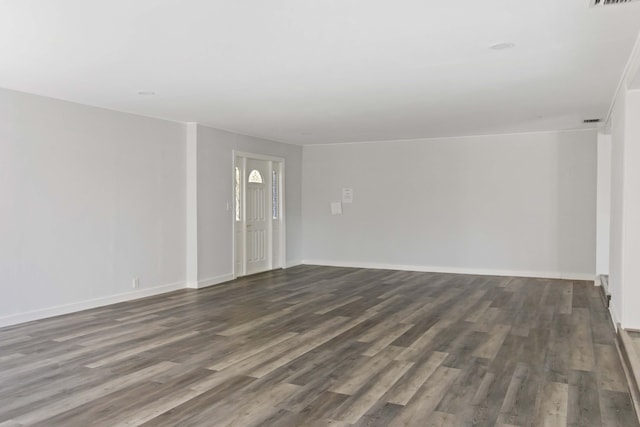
(600, 3)
(591, 120)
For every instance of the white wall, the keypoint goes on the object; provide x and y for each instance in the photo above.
(90, 199)
(511, 204)
(625, 210)
(93, 198)
(603, 211)
(624, 122)
(192, 205)
(215, 198)
(618, 128)
(631, 206)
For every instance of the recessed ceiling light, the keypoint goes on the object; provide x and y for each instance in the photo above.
(146, 92)
(502, 46)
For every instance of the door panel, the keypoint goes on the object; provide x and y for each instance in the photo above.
(257, 211)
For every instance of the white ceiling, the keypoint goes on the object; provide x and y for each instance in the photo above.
(307, 71)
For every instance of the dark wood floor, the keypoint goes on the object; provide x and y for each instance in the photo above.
(325, 346)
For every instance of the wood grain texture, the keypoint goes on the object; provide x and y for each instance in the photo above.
(325, 346)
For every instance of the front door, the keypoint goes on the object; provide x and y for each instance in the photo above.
(258, 215)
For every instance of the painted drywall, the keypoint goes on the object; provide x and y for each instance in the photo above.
(624, 269)
(616, 267)
(631, 213)
(625, 210)
(192, 205)
(603, 212)
(215, 199)
(514, 204)
(91, 198)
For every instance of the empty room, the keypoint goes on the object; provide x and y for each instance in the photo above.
(319, 213)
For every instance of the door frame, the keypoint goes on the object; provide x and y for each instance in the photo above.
(282, 235)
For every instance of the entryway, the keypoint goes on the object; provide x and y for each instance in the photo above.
(258, 224)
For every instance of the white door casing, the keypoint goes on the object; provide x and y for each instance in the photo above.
(276, 215)
(238, 216)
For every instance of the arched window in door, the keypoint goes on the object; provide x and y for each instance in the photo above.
(255, 177)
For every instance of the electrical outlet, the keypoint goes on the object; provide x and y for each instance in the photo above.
(135, 283)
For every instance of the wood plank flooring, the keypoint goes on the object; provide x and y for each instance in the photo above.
(317, 346)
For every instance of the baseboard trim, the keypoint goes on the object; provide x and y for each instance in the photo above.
(455, 270)
(212, 281)
(630, 363)
(15, 319)
(612, 316)
(293, 263)
(59, 310)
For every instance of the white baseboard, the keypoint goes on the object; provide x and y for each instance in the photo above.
(455, 270)
(612, 315)
(293, 263)
(204, 283)
(88, 304)
(143, 293)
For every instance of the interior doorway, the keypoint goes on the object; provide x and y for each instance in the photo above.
(258, 188)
